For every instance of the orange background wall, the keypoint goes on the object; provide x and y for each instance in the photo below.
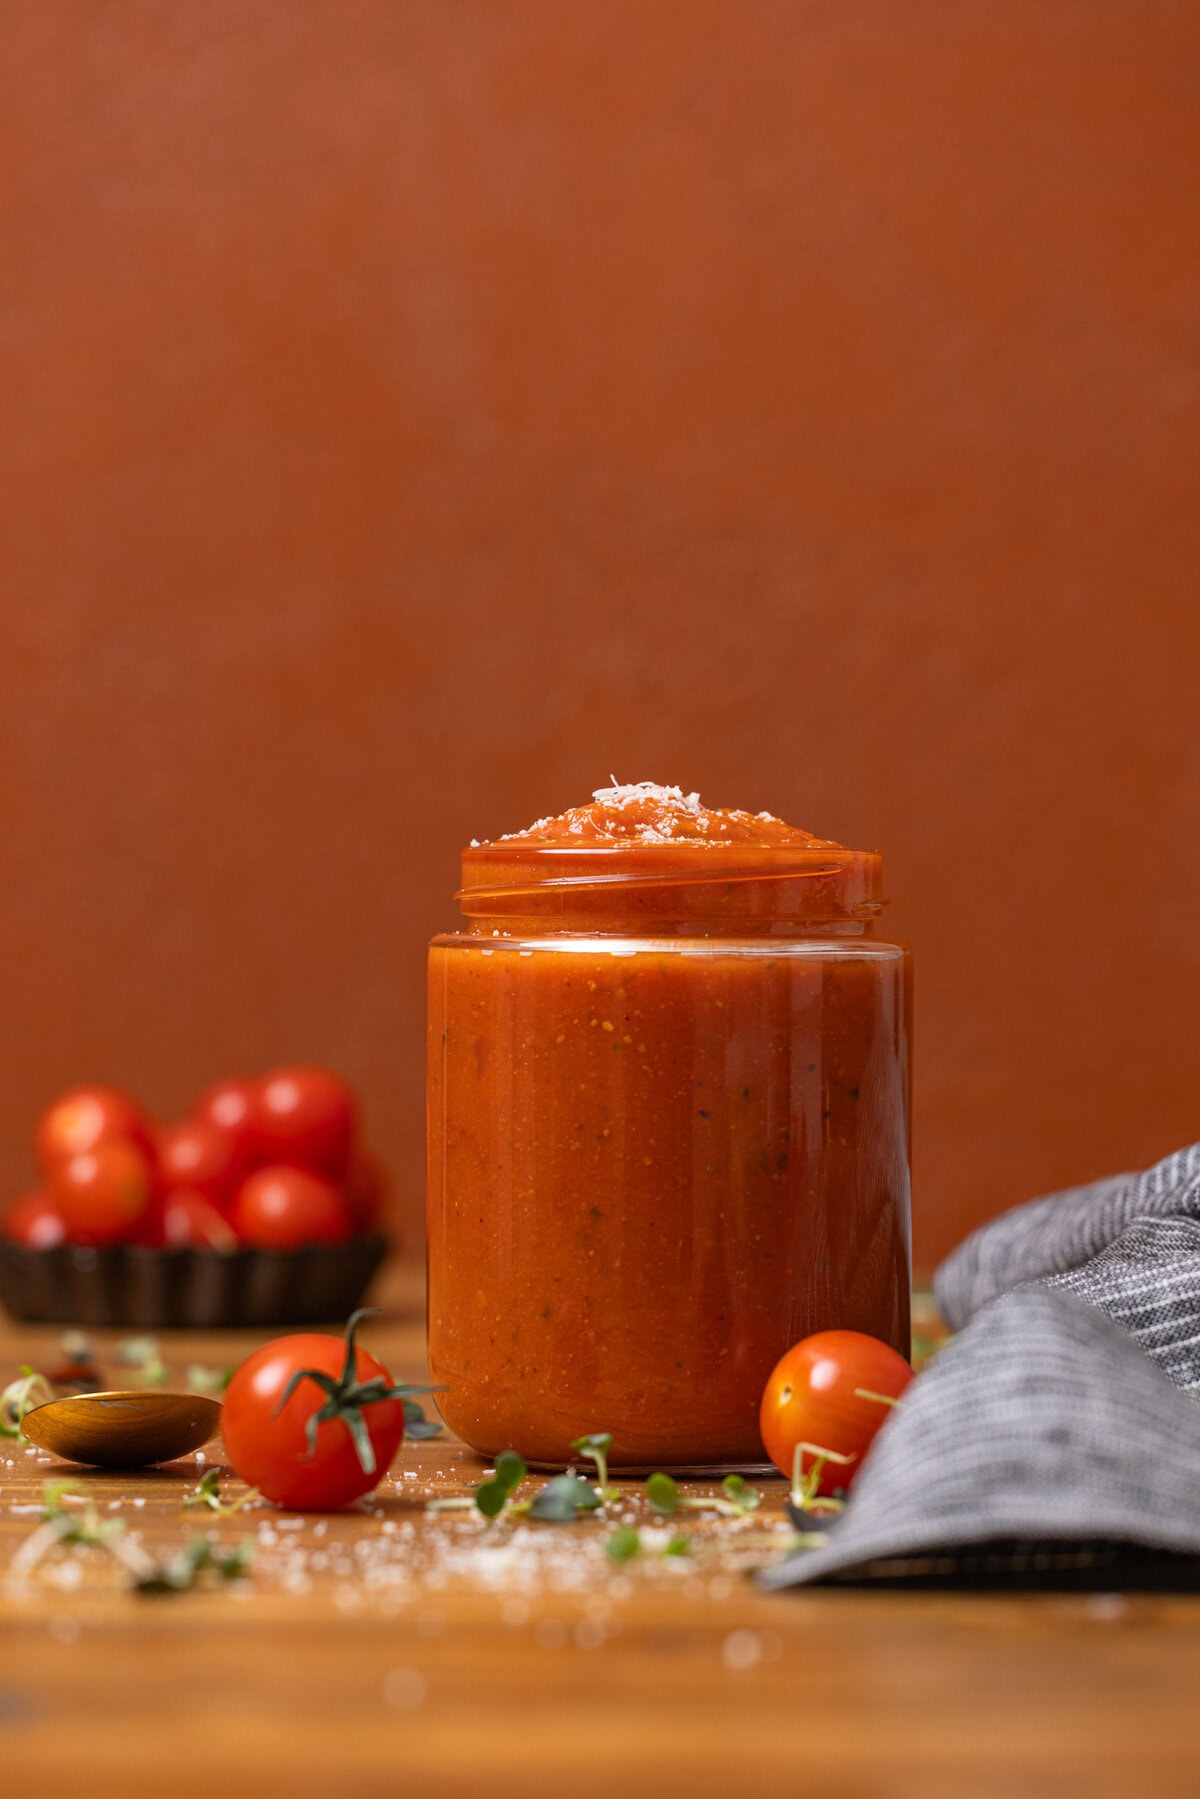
(416, 410)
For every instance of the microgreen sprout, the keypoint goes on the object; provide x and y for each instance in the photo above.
(177, 1572)
(208, 1493)
(623, 1544)
(22, 1395)
(562, 1499)
(70, 1519)
(740, 1499)
(346, 1396)
(596, 1448)
(208, 1380)
(804, 1494)
(492, 1496)
(888, 1399)
(680, 1544)
(142, 1354)
(738, 1502)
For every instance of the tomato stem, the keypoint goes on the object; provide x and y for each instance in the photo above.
(346, 1397)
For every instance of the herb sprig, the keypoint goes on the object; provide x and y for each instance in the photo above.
(70, 1519)
(21, 1396)
(208, 1494)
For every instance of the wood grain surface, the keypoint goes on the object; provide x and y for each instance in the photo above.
(388, 1650)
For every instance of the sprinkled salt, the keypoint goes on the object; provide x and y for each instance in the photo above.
(404, 1688)
(741, 1649)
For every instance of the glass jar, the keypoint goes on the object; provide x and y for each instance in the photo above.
(668, 1137)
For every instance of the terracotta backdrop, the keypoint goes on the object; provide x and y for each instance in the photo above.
(414, 410)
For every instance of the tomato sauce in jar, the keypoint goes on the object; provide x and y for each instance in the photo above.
(668, 1127)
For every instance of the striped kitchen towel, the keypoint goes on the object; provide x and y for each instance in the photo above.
(1060, 1234)
(1054, 1442)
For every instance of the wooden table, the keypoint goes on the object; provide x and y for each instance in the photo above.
(390, 1651)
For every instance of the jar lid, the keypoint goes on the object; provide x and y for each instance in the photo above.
(645, 852)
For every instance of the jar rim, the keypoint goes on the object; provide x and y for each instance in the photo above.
(676, 879)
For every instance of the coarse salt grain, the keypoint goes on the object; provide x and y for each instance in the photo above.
(405, 1688)
(741, 1649)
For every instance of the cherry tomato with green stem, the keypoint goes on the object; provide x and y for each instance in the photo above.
(313, 1421)
(823, 1404)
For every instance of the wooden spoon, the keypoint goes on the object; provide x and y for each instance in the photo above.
(123, 1430)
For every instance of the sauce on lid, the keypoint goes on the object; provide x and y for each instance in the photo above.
(675, 860)
(642, 812)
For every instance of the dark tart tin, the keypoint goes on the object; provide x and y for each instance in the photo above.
(196, 1288)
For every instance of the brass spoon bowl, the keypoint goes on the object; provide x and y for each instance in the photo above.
(123, 1430)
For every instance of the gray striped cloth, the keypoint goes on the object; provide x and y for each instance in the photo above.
(1054, 1441)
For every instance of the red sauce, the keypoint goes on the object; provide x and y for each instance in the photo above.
(668, 1125)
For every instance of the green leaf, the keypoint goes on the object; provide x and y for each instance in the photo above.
(563, 1498)
(421, 1429)
(663, 1494)
(491, 1498)
(491, 1495)
(510, 1469)
(599, 1443)
(416, 1424)
(679, 1544)
(624, 1543)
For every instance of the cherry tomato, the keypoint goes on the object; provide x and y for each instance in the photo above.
(198, 1155)
(269, 1445)
(365, 1187)
(231, 1108)
(103, 1193)
(84, 1118)
(282, 1208)
(306, 1115)
(190, 1220)
(35, 1221)
(820, 1394)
